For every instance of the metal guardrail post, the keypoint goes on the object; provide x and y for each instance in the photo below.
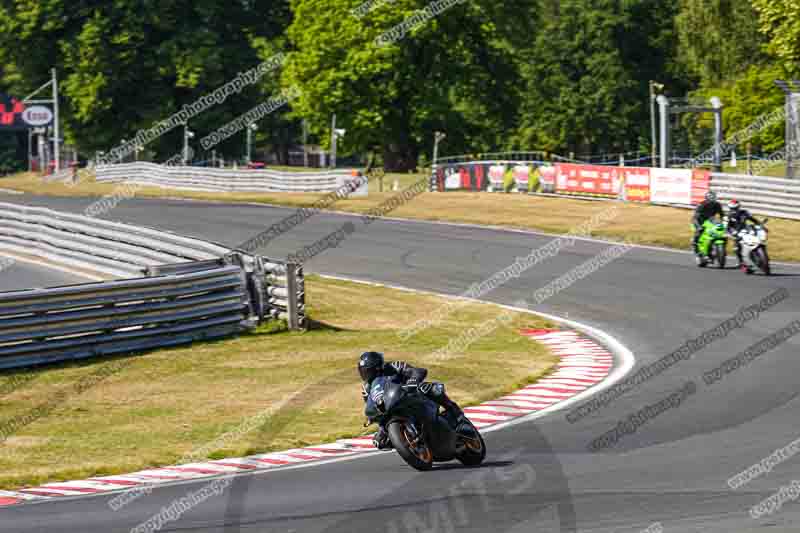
(292, 300)
(257, 286)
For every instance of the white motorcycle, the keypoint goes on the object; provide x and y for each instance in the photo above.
(753, 240)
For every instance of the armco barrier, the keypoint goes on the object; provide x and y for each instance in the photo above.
(86, 243)
(185, 289)
(224, 180)
(41, 326)
(762, 195)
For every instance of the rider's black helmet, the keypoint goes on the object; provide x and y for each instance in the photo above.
(370, 366)
(711, 196)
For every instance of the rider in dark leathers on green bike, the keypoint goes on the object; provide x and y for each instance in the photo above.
(706, 210)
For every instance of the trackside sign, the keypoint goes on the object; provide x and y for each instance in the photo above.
(37, 116)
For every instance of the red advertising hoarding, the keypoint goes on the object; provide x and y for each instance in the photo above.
(701, 183)
(587, 179)
(637, 184)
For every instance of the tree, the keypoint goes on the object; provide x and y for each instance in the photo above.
(719, 39)
(586, 75)
(750, 96)
(129, 64)
(454, 72)
(780, 22)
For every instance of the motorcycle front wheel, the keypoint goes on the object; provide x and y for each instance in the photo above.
(474, 449)
(721, 254)
(411, 446)
(761, 259)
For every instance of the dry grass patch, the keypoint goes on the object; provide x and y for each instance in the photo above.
(164, 406)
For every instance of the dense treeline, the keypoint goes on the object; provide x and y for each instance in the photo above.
(556, 75)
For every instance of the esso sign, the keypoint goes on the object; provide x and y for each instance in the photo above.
(37, 116)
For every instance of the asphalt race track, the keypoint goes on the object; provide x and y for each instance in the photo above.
(21, 275)
(540, 475)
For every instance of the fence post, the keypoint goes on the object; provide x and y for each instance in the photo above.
(291, 297)
(750, 159)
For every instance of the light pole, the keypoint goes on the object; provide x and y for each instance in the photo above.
(30, 150)
(654, 86)
(305, 143)
(718, 140)
(791, 89)
(186, 136)
(663, 105)
(250, 129)
(437, 137)
(337, 134)
(57, 127)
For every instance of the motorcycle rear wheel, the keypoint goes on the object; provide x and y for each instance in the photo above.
(415, 452)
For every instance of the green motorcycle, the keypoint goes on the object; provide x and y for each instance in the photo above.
(713, 244)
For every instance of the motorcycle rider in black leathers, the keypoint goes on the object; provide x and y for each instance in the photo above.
(371, 365)
(737, 219)
(706, 210)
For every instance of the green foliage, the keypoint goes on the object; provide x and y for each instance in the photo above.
(561, 76)
(454, 72)
(747, 98)
(780, 21)
(128, 64)
(718, 39)
(586, 75)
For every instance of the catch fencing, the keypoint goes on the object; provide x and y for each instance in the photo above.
(224, 180)
(177, 289)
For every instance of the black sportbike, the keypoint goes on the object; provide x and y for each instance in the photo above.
(419, 432)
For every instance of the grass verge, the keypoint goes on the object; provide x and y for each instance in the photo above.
(164, 406)
(641, 224)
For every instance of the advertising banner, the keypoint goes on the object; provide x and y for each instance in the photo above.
(522, 176)
(701, 183)
(588, 179)
(11, 114)
(479, 173)
(497, 176)
(671, 186)
(637, 184)
(547, 178)
(457, 178)
(439, 179)
(461, 177)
